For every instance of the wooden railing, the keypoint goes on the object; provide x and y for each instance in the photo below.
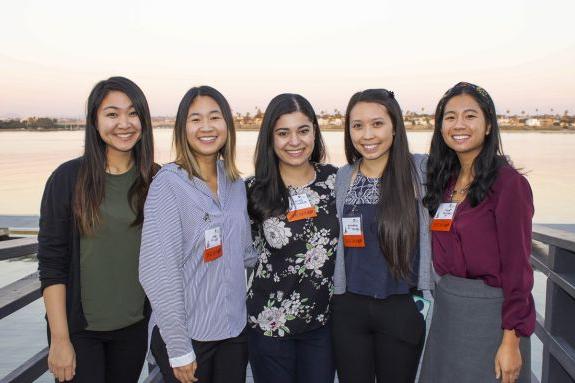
(553, 254)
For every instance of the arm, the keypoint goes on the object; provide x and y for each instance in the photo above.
(513, 214)
(54, 242)
(161, 272)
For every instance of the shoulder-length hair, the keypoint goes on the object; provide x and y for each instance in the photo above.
(91, 182)
(268, 195)
(184, 154)
(443, 164)
(396, 212)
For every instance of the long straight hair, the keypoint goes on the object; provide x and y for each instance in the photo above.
(184, 154)
(268, 195)
(396, 212)
(443, 164)
(91, 182)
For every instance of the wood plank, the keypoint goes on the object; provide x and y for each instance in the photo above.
(553, 236)
(14, 248)
(30, 370)
(19, 294)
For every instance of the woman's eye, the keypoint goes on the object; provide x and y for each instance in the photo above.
(356, 126)
(304, 131)
(448, 118)
(111, 115)
(378, 123)
(215, 117)
(134, 114)
(471, 116)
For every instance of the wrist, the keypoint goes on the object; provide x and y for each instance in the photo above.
(510, 338)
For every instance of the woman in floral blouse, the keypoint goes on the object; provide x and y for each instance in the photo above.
(291, 201)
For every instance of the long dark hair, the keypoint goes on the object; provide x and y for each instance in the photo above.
(443, 164)
(397, 220)
(268, 195)
(184, 154)
(91, 182)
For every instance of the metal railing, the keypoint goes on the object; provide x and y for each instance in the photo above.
(553, 254)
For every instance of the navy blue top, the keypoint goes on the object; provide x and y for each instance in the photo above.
(366, 269)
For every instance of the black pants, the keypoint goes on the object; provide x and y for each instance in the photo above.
(301, 358)
(110, 356)
(222, 361)
(376, 338)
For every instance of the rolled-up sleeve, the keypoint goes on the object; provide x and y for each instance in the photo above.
(161, 270)
(513, 214)
(55, 230)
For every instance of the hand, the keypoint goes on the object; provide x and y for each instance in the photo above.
(62, 359)
(186, 374)
(508, 358)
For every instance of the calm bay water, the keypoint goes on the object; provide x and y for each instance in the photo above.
(28, 158)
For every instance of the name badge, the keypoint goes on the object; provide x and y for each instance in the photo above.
(300, 208)
(352, 232)
(422, 304)
(213, 244)
(443, 217)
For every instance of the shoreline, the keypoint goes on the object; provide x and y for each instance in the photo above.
(323, 129)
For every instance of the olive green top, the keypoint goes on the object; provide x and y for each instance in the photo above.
(112, 297)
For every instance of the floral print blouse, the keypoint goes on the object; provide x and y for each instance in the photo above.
(290, 289)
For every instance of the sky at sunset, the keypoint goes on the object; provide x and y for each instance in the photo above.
(53, 52)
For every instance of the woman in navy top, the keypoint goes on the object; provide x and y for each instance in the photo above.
(481, 237)
(378, 331)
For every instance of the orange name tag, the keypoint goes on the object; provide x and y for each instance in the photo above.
(443, 217)
(296, 215)
(300, 208)
(213, 244)
(352, 232)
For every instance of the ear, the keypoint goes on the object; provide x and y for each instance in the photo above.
(488, 130)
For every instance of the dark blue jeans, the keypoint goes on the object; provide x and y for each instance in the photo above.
(300, 358)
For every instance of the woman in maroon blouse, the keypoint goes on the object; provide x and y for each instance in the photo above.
(481, 239)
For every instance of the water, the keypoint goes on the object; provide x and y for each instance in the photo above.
(28, 158)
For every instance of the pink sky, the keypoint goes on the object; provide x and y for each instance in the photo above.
(52, 53)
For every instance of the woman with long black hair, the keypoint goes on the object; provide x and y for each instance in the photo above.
(383, 256)
(291, 201)
(89, 241)
(481, 236)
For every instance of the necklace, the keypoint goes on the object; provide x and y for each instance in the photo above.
(462, 191)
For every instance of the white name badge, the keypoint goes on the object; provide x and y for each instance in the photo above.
(298, 202)
(300, 208)
(352, 232)
(444, 217)
(213, 244)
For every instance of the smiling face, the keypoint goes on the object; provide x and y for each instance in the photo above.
(294, 139)
(206, 129)
(371, 131)
(118, 123)
(464, 126)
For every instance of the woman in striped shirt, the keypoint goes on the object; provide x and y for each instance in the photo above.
(195, 240)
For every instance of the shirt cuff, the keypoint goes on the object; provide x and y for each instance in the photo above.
(183, 360)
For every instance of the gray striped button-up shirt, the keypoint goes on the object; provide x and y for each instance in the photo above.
(190, 298)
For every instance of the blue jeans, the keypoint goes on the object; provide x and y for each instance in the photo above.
(300, 358)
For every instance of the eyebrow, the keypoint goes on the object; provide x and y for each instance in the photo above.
(210, 112)
(118, 108)
(299, 127)
(465, 111)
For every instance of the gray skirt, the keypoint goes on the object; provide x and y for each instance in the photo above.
(465, 334)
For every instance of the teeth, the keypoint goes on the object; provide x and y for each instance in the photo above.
(369, 147)
(294, 151)
(207, 139)
(124, 135)
(462, 137)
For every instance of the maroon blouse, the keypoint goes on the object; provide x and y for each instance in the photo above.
(492, 242)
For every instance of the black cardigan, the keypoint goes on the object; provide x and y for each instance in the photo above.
(59, 242)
